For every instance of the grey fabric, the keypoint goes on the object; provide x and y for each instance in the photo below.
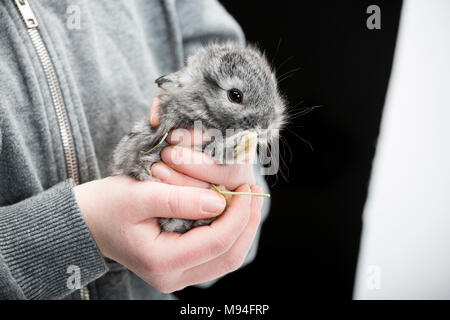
(38, 243)
(8, 286)
(105, 70)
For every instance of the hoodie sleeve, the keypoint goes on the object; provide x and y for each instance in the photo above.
(204, 21)
(44, 242)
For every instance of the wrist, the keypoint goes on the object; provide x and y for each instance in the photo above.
(86, 196)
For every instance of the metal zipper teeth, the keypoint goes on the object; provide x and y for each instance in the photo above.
(55, 91)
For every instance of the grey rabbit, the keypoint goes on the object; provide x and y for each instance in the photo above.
(222, 85)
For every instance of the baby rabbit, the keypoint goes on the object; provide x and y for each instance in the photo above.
(223, 86)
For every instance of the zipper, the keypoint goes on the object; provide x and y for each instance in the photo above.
(58, 103)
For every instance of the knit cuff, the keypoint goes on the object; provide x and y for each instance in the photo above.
(44, 242)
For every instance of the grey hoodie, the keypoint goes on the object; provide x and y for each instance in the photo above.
(64, 104)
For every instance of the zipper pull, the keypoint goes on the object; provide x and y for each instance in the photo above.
(26, 13)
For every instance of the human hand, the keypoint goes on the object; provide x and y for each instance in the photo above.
(181, 164)
(122, 215)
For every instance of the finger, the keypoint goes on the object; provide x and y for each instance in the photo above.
(201, 166)
(154, 112)
(167, 175)
(197, 137)
(233, 258)
(167, 201)
(257, 202)
(188, 137)
(205, 243)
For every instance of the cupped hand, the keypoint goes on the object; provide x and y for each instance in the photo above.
(122, 215)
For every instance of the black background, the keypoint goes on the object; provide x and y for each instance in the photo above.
(309, 243)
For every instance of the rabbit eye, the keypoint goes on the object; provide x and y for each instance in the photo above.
(235, 95)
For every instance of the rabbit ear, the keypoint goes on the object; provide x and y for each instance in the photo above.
(172, 80)
(161, 80)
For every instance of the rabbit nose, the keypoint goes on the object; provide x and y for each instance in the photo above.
(250, 123)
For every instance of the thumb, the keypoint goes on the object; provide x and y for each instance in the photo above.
(169, 201)
(154, 112)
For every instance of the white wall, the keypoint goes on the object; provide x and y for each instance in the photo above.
(405, 248)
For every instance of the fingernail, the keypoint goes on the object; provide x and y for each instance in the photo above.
(161, 171)
(154, 121)
(257, 189)
(154, 113)
(211, 203)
